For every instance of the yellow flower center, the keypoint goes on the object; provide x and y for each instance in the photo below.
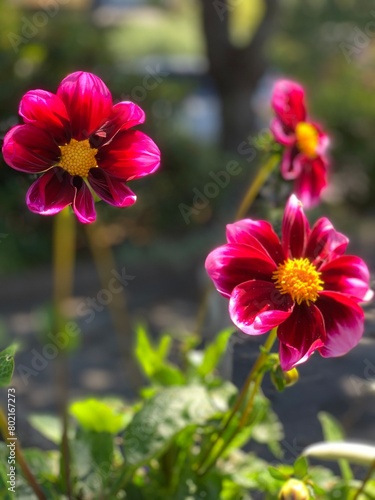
(307, 139)
(78, 157)
(300, 279)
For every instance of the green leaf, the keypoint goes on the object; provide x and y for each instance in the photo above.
(152, 359)
(214, 352)
(7, 364)
(48, 425)
(162, 418)
(98, 416)
(277, 474)
(301, 467)
(332, 431)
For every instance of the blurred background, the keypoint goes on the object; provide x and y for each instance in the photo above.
(203, 71)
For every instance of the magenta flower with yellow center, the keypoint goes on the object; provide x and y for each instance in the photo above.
(82, 145)
(304, 157)
(304, 284)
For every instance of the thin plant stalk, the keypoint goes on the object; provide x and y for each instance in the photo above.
(105, 264)
(256, 185)
(366, 479)
(255, 377)
(64, 246)
(252, 192)
(29, 476)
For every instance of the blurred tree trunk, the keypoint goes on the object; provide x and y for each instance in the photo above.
(236, 71)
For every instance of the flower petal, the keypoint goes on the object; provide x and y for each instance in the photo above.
(344, 322)
(300, 335)
(124, 115)
(233, 264)
(130, 155)
(290, 167)
(30, 149)
(88, 102)
(282, 136)
(256, 307)
(47, 111)
(325, 243)
(257, 234)
(111, 190)
(347, 274)
(295, 229)
(312, 180)
(52, 192)
(288, 103)
(83, 202)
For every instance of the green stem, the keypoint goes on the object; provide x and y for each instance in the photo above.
(361, 489)
(30, 478)
(105, 264)
(64, 243)
(255, 376)
(256, 185)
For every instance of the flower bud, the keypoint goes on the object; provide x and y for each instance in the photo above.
(281, 379)
(291, 377)
(294, 490)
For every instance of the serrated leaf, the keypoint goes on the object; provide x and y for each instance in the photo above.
(214, 352)
(162, 418)
(98, 416)
(7, 364)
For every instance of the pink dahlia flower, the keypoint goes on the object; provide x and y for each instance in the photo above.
(304, 284)
(81, 144)
(304, 158)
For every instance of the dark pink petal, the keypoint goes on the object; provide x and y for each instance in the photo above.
(256, 307)
(311, 181)
(130, 155)
(295, 229)
(300, 335)
(291, 166)
(46, 111)
(288, 102)
(282, 136)
(257, 234)
(347, 274)
(83, 203)
(232, 264)
(30, 149)
(50, 193)
(344, 323)
(325, 243)
(110, 189)
(88, 102)
(124, 115)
